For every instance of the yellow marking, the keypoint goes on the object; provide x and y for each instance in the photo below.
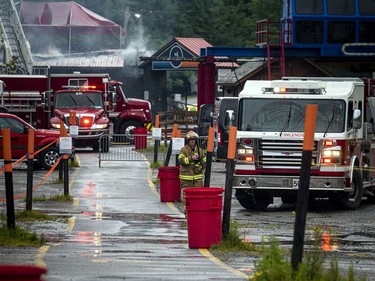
(75, 202)
(71, 223)
(173, 207)
(39, 257)
(214, 259)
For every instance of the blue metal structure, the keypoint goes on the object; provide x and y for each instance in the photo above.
(342, 30)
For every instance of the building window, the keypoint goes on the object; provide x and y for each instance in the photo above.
(309, 7)
(367, 32)
(366, 7)
(340, 7)
(309, 32)
(341, 32)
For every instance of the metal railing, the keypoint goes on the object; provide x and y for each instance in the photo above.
(122, 147)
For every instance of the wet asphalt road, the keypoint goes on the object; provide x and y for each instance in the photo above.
(116, 228)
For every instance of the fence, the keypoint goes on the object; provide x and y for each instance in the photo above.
(120, 147)
(140, 147)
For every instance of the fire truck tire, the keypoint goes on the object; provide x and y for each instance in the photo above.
(245, 199)
(128, 130)
(288, 199)
(353, 199)
(253, 200)
(48, 157)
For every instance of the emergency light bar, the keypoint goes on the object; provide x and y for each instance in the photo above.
(83, 87)
(284, 90)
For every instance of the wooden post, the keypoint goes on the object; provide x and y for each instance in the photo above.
(30, 170)
(157, 142)
(210, 149)
(229, 180)
(8, 172)
(303, 191)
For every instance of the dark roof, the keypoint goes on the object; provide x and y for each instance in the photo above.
(237, 74)
(193, 47)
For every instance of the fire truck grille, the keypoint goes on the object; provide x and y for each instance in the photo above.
(282, 153)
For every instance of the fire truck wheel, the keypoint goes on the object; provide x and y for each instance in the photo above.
(354, 198)
(253, 200)
(245, 199)
(128, 130)
(288, 199)
(48, 157)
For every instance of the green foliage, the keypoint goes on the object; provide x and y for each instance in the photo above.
(61, 197)
(33, 216)
(155, 165)
(19, 237)
(274, 266)
(233, 241)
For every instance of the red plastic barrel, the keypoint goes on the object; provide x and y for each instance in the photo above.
(21, 272)
(203, 211)
(170, 190)
(140, 138)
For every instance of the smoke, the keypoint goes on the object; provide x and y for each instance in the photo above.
(136, 41)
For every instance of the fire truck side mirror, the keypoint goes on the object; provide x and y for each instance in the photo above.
(114, 100)
(43, 100)
(229, 118)
(357, 119)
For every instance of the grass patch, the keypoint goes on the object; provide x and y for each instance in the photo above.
(61, 198)
(32, 216)
(19, 237)
(155, 165)
(57, 197)
(275, 266)
(73, 163)
(57, 181)
(234, 241)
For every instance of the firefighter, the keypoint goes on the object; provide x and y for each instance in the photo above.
(192, 162)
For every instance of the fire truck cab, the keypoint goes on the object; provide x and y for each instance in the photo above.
(271, 117)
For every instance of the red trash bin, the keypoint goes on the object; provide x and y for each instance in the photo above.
(170, 190)
(21, 272)
(140, 138)
(203, 212)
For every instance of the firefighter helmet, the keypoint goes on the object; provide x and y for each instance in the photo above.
(192, 135)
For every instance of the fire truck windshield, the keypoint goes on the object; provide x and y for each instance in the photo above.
(288, 115)
(78, 100)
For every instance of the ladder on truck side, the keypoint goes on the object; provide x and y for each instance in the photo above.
(269, 36)
(18, 57)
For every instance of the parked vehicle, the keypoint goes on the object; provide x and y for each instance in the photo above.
(270, 134)
(19, 141)
(220, 125)
(33, 98)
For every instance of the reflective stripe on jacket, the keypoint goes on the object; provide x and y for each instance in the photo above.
(190, 169)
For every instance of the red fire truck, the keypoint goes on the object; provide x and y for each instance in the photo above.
(45, 101)
(270, 134)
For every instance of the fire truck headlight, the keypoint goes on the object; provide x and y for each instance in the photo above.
(55, 125)
(331, 155)
(245, 154)
(100, 126)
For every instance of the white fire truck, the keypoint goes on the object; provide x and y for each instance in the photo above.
(271, 116)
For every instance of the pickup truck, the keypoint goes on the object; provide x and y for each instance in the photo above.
(19, 141)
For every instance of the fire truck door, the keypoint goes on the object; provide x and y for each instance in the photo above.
(18, 134)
